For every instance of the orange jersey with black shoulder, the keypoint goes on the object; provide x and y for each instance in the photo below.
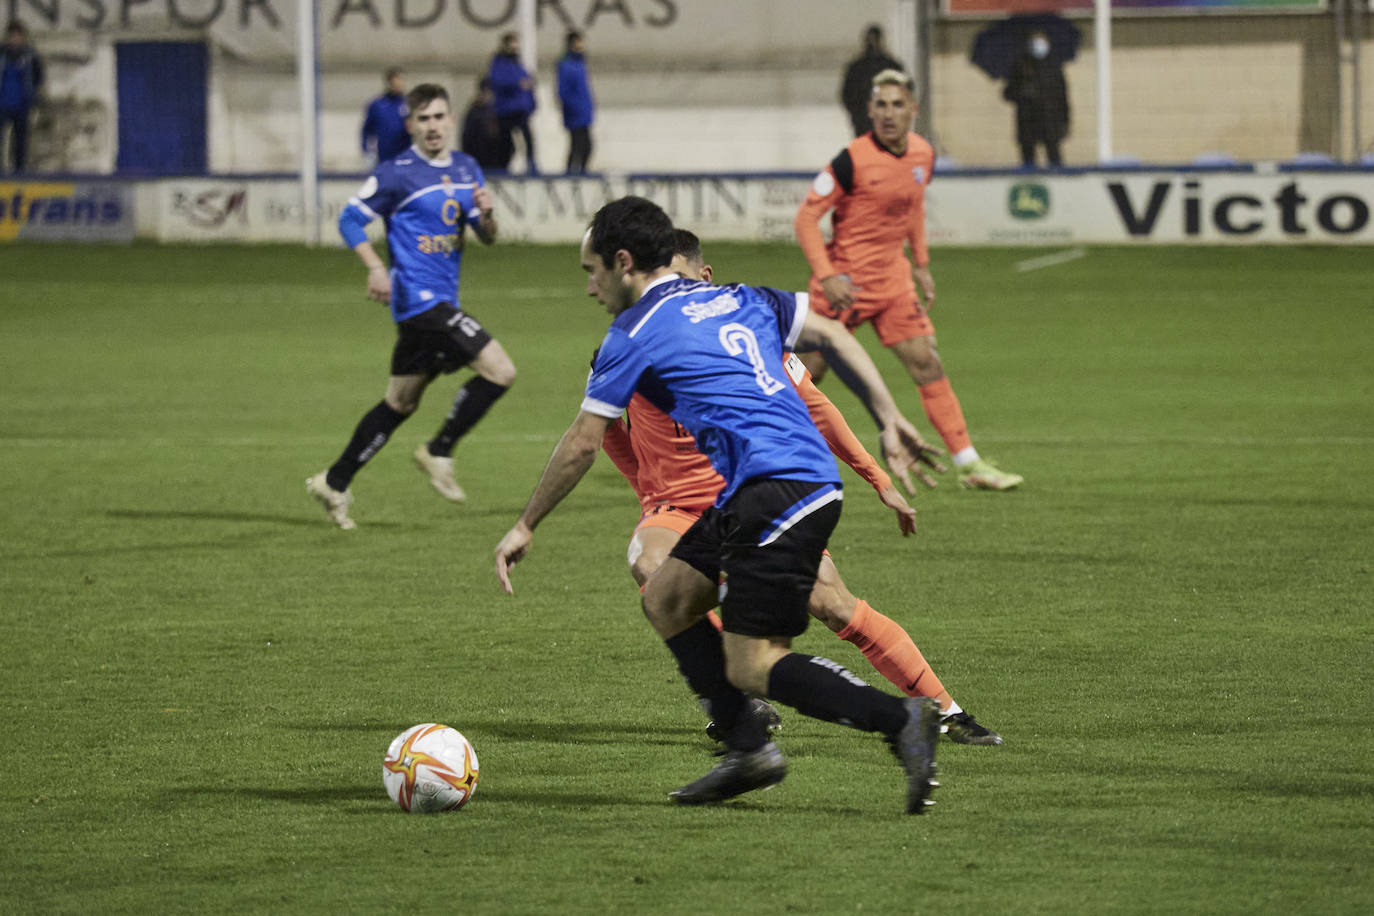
(879, 204)
(662, 463)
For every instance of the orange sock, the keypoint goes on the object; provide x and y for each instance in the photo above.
(943, 410)
(889, 649)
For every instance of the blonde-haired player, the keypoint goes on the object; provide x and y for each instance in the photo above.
(876, 188)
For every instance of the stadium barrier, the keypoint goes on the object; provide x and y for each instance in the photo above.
(1236, 205)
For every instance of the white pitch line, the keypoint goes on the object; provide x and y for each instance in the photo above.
(1051, 260)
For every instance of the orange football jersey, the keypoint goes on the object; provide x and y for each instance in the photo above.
(879, 204)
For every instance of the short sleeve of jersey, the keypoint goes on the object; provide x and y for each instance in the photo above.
(842, 167)
(616, 371)
(790, 311)
(377, 197)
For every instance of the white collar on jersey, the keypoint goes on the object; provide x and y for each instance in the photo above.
(444, 162)
(666, 278)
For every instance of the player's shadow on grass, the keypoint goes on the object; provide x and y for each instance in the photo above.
(584, 732)
(304, 795)
(539, 732)
(205, 516)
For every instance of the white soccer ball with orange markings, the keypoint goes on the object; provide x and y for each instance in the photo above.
(430, 768)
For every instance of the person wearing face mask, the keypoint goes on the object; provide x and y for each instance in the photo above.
(1036, 87)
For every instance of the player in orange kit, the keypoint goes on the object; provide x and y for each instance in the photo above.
(675, 483)
(876, 187)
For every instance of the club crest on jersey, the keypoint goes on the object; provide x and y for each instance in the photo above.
(448, 185)
(919, 173)
(723, 304)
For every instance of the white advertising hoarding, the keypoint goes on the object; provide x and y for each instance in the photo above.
(1004, 209)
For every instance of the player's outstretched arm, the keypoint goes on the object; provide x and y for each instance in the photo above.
(906, 516)
(571, 459)
(903, 448)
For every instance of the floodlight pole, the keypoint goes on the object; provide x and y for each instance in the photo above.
(913, 31)
(526, 28)
(1102, 41)
(1356, 36)
(307, 72)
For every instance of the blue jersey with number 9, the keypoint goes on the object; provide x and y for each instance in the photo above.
(711, 358)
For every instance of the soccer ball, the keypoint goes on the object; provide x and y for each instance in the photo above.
(429, 768)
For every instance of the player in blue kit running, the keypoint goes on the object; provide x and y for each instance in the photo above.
(711, 357)
(427, 196)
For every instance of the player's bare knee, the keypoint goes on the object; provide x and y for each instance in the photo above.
(641, 569)
(824, 607)
(406, 406)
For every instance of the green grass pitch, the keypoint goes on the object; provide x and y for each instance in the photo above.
(1170, 624)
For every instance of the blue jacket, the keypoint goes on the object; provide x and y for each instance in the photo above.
(21, 79)
(574, 92)
(384, 128)
(505, 75)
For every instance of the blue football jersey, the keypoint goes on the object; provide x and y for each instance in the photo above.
(712, 358)
(426, 204)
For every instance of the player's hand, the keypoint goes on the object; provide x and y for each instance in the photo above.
(379, 284)
(926, 284)
(906, 516)
(484, 200)
(840, 291)
(904, 452)
(510, 551)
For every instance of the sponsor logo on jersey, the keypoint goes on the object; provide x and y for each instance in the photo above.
(723, 304)
(1028, 201)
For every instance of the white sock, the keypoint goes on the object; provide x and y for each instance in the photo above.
(965, 456)
(954, 710)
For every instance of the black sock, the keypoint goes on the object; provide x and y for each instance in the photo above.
(472, 403)
(373, 430)
(823, 689)
(700, 657)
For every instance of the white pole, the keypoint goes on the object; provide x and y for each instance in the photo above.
(524, 23)
(1102, 40)
(306, 70)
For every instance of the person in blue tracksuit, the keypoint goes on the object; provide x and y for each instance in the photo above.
(385, 135)
(513, 98)
(575, 96)
(21, 78)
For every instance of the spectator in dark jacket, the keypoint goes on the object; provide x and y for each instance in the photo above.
(513, 88)
(1036, 86)
(575, 96)
(385, 134)
(482, 131)
(20, 82)
(858, 78)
